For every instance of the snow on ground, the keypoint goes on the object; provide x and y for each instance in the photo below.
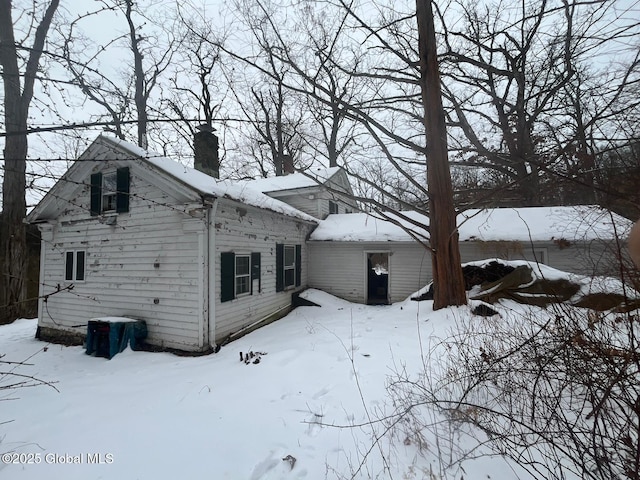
(160, 416)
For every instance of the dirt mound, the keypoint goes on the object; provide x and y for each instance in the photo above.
(526, 283)
(478, 275)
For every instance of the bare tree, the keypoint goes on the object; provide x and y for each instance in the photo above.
(97, 86)
(197, 88)
(276, 114)
(19, 74)
(385, 106)
(151, 56)
(528, 98)
(333, 134)
(556, 391)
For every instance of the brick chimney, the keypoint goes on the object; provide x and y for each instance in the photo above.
(205, 146)
(287, 165)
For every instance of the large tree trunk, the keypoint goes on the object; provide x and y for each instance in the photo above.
(13, 244)
(447, 271)
(13, 238)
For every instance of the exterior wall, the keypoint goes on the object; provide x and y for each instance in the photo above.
(148, 264)
(339, 268)
(243, 230)
(345, 205)
(597, 257)
(314, 200)
(318, 206)
(302, 201)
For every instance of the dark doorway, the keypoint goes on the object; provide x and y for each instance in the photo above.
(378, 278)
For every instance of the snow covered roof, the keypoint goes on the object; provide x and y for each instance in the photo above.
(207, 185)
(364, 227)
(310, 178)
(583, 222)
(519, 224)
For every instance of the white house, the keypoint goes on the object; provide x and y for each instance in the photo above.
(127, 233)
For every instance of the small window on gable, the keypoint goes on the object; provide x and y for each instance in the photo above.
(333, 207)
(109, 191)
(74, 266)
(243, 274)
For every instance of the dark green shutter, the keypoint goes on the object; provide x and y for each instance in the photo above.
(279, 267)
(255, 270)
(298, 265)
(96, 194)
(68, 266)
(80, 262)
(122, 196)
(227, 276)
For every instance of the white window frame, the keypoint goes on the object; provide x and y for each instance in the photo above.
(237, 276)
(389, 254)
(286, 267)
(74, 265)
(109, 201)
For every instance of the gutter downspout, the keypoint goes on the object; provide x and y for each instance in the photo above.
(46, 237)
(210, 328)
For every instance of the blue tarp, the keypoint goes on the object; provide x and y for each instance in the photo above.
(105, 339)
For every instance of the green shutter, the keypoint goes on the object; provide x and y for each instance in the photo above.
(298, 265)
(68, 266)
(227, 276)
(279, 267)
(122, 196)
(80, 264)
(255, 270)
(96, 194)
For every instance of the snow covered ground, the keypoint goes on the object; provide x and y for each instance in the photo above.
(142, 415)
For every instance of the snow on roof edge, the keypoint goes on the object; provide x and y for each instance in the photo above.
(293, 181)
(546, 224)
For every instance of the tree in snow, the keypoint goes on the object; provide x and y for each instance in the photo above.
(20, 71)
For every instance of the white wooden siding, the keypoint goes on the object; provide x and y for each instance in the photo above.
(314, 200)
(243, 229)
(595, 257)
(339, 268)
(122, 278)
(303, 202)
(343, 202)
